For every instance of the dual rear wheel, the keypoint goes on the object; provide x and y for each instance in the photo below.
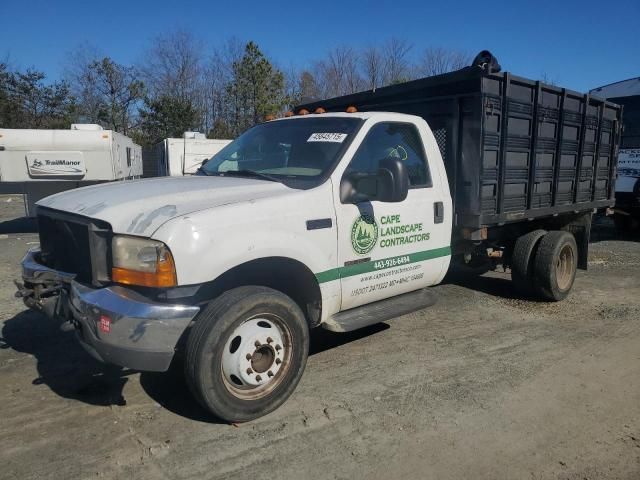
(544, 264)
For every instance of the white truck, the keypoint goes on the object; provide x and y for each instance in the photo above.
(627, 94)
(175, 157)
(39, 163)
(332, 219)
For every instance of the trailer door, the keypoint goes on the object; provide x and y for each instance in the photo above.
(385, 249)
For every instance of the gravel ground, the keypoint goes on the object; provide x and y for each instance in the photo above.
(482, 385)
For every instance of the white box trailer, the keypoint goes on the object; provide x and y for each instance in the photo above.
(180, 156)
(39, 163)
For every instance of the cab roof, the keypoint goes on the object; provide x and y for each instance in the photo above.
(360, 115)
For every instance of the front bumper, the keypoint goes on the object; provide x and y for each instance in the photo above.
(114, 324)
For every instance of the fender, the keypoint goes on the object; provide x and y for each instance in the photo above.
(208, 243)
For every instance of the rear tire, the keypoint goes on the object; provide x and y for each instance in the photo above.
(555, 265)
(246, 353)
(522, 260)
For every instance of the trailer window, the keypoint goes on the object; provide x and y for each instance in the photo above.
(128, 156)
(393, 140)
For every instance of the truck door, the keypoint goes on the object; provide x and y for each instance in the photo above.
(385, 249)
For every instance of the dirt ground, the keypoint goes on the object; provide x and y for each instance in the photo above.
(481, 386)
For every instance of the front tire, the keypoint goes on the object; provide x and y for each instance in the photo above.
(246, 353)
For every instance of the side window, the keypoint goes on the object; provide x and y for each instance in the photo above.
(393, 140)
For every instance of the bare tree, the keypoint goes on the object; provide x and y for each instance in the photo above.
(548, 79)
(217, 74)
(173, 65)
(438, 60)
(106, 92)
(339, 73)
(396, 60)
(373, 67)
(83, 87)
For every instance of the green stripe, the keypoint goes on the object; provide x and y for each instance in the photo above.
(366, 267)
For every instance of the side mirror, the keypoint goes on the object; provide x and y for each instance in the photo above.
(389, 184)
(393, 180)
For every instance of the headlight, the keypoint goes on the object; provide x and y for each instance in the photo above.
(140, 261)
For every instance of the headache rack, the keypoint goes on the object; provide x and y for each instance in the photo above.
(75, 244)
(513, 148)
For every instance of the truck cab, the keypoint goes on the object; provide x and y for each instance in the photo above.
(304, 218)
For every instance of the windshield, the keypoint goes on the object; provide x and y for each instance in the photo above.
(300, 153)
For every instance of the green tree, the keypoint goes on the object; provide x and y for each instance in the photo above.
(110, 94)
(220, 130)
(26, 101)
(164, 117)
(257, 89)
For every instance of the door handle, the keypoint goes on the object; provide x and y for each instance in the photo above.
(438, 212)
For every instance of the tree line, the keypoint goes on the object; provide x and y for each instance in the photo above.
(182, 85)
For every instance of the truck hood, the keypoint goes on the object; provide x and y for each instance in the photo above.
(140, 207)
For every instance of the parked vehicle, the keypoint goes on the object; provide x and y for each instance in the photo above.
(38, 163)
(340, 218)
(180, 156)
(627, 94)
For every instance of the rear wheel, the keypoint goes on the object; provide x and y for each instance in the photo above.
(555, 265)
(246, 353)
(522, 260)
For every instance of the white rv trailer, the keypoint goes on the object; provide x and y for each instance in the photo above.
(39, 163)
(180, 156)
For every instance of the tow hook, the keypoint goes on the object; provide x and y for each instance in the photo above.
(68, 326)
(22, 291)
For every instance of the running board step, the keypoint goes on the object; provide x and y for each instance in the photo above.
(380, 311)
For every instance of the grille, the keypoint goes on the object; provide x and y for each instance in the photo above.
(65, 245)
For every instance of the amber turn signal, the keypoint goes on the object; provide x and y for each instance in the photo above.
(164, 276)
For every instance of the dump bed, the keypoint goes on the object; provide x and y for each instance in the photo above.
(513, 148)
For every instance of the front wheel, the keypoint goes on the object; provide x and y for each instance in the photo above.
(246, 353)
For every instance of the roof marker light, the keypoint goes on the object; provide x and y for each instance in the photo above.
(351, 109)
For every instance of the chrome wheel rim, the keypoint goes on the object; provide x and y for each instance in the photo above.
(256, 356)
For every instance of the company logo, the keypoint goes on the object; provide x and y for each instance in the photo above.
(364, 234)
(55, 167)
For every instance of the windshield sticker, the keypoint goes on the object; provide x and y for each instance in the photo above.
(327, 137)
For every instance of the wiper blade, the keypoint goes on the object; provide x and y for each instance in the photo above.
(249, 173)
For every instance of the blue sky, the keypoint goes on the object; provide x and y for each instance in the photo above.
(579, 45)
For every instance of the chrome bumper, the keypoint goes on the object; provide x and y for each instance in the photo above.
(114, 324)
